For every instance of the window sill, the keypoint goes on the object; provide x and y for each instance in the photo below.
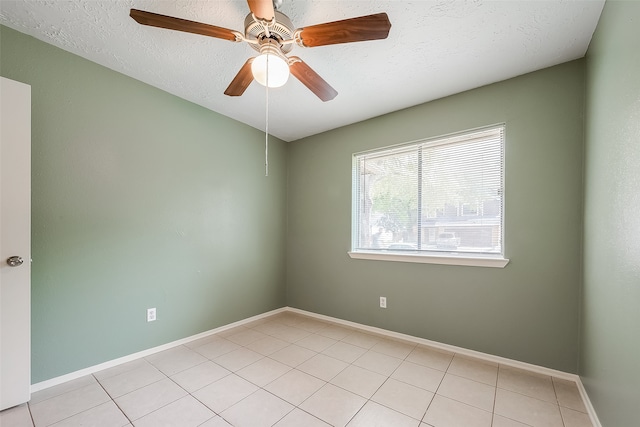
(465, 260)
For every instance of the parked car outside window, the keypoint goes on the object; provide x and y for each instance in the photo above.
(447, 241)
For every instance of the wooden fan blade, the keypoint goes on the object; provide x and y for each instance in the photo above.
(312, 80)
(370, 27)
(262, 9)
(241, 81)
(171, 23)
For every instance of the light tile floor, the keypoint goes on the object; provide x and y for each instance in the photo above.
(290, 370)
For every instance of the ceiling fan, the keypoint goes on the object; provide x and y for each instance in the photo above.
(272, 33)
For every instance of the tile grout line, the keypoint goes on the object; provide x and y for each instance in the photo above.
(495, 398)
(78, 413)
(205, 405)
(435, 393)
(113, 400)
(33, 422)
(555, 393)
(67, 392)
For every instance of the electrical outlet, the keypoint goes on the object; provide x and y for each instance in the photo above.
(383, 302)
(151, 314)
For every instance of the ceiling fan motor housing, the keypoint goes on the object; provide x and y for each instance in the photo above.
(281, 29)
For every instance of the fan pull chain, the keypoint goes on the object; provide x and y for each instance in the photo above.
(266, 127)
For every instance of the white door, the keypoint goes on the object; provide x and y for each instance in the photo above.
(15, 243)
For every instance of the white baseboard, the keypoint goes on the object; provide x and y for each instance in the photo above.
(396, 335)
(144, 353)
(587, 402)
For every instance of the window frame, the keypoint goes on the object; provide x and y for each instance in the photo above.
(427, 257)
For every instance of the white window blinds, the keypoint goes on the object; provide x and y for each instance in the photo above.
(436, 195)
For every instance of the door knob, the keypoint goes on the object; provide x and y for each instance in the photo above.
(15, 261)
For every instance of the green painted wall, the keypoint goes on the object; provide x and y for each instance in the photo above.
(610, 345)
(140, 199)
(527, 311)
(137, 202)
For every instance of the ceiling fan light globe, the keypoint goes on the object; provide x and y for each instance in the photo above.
(278, 70)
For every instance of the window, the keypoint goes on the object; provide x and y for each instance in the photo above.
(439, 198)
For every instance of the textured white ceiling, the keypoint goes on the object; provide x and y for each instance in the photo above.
(434, 49)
